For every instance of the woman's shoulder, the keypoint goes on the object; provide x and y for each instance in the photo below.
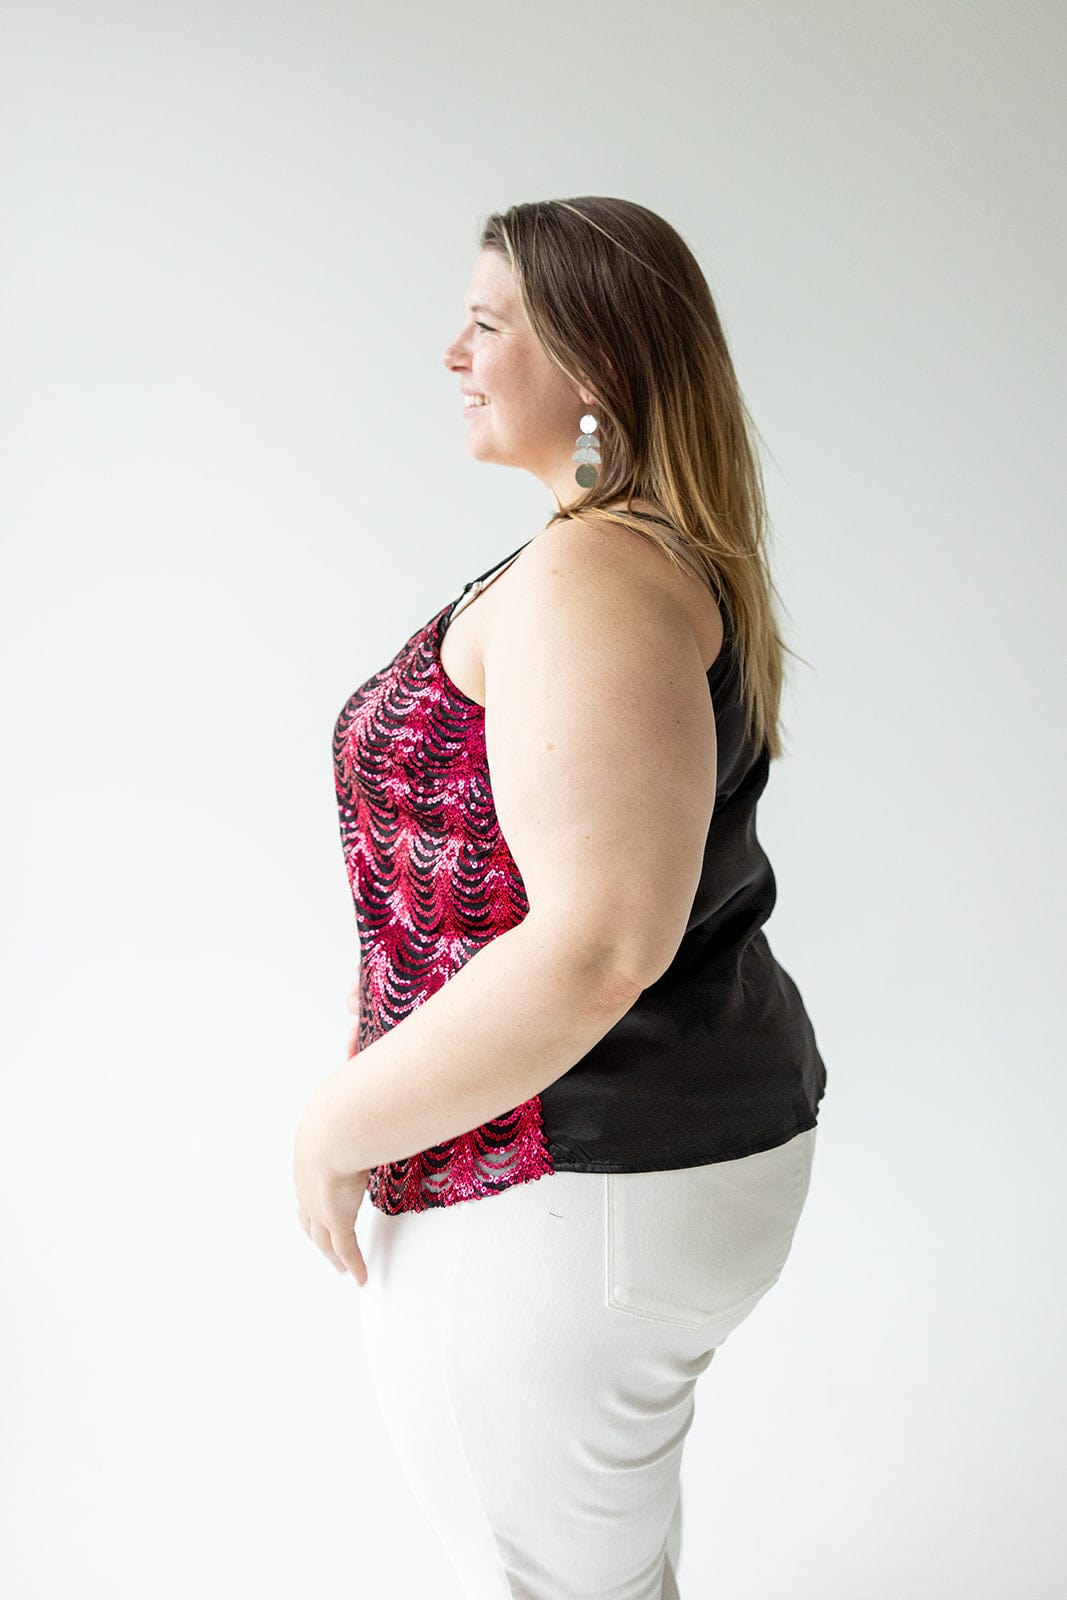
(608, 561)
(595, 546)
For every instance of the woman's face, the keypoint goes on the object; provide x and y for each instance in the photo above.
(532, 417)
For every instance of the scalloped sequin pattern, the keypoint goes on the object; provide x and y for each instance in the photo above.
(432, 881)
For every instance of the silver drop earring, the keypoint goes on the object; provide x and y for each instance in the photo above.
(588, 452)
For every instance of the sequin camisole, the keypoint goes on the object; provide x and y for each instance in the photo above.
(715, 1060)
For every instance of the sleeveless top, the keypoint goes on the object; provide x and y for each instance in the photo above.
(714, 1061)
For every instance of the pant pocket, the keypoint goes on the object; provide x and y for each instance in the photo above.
(695, 1246)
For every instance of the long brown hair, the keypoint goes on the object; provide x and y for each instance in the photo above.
(620, 305)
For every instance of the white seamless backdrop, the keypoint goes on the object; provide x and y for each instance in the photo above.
(234, 480)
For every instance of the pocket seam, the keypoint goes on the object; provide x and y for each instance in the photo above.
(801, 1178)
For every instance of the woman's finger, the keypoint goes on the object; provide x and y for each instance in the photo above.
(346, 1247)
(320, 1234)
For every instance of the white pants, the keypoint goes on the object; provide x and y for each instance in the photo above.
(534, 1354)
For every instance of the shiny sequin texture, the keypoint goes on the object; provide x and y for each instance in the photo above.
(432, 881)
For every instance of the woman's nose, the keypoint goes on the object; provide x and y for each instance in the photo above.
(456, 353)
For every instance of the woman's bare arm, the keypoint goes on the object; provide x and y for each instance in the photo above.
(600, 735)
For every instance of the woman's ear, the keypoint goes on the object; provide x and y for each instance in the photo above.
(588, 395)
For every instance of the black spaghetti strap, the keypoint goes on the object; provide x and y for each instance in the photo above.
(650, 518)
(480, 579)
(496, 564)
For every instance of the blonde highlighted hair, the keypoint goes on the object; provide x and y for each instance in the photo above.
(620, 305)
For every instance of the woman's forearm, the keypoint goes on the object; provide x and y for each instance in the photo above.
(517, 1016)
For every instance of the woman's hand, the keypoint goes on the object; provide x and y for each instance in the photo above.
(327, 1196)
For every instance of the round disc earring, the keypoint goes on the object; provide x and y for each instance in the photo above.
(588, 452)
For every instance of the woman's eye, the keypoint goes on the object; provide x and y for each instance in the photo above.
(484, 325)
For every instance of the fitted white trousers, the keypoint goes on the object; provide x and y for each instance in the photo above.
(534, 1355)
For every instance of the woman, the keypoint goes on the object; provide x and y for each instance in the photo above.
(581, 1093)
